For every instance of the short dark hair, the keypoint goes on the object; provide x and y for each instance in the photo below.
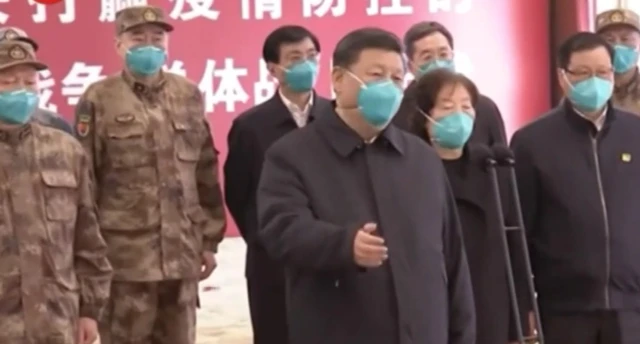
(286, 34)
(348, 49)
(421, 30)
(426, 93)
(581, 41)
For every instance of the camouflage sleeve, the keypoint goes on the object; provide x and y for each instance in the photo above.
(209, 190)
(85, 132)
(92, 267)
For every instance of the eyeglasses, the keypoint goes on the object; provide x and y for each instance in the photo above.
(583, 74)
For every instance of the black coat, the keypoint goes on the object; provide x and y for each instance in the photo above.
(580, 190)
(488, 128)
(481, 228)
(319, 185)
(251, 134)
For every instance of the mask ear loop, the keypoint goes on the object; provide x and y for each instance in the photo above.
(284, 69)
(566, 78)
(429, 119)
(355, 77)
(427, 116)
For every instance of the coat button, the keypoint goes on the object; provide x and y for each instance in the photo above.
(337, 283)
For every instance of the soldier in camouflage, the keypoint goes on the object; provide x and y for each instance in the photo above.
(621, 28)
(54, 273)
(42, 116)
(158, 196)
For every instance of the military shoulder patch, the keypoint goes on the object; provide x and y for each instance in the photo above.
(84, 118)
(83, 125)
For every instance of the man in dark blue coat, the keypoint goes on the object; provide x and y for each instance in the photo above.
(361, 215)
(578, 171)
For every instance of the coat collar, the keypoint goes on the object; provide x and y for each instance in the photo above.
(581, 123)
(345, 140)
(283, 114)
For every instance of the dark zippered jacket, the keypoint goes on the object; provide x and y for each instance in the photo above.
(580, 194)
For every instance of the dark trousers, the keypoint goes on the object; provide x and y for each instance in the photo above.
(597, 327)
(267, 304)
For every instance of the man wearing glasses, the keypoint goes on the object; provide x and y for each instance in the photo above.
(577, 169)
(621, 28)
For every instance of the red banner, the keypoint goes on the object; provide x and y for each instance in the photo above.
(501, 44)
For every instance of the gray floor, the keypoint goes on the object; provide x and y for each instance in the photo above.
(224, 316)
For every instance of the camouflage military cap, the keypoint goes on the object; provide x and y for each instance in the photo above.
(14, 53)
(617, 17)
(131, 17)
(8, 33)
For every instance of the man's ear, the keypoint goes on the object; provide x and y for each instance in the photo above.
(272, 68)
(337, 76)
(118, 45)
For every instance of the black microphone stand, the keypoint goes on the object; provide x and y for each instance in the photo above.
(504, 158)
(491, 165)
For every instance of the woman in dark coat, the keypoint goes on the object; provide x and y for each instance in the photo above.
(444, 116)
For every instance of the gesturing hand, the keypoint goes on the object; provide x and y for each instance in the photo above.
(369, 250)
(87, 331)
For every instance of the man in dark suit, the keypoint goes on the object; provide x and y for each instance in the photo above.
(579, 189)
(429, 46)
(291, 55)
(361, 215)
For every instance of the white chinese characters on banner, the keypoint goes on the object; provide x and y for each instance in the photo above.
(392, 7)
(186, 10)
(265, 87)
(66, 17)
(3, 16)
(457, 6)
(228, 88)
(463, 64)
(46, 84)
(78, 79)
(261, 8)
(177, 67)
(321, 8)
(109, 8)
(219, 84)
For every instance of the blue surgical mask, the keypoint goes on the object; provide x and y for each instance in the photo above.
(145, 60)
(625, 59)
(436, 64)
(378, 101)
(16, 107)
(453, 130)
(591, 94)
(302, 76)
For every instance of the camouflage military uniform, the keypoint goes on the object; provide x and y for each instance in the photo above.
(41, 116)
(53, 265)
(626, 96)
(158, 196)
